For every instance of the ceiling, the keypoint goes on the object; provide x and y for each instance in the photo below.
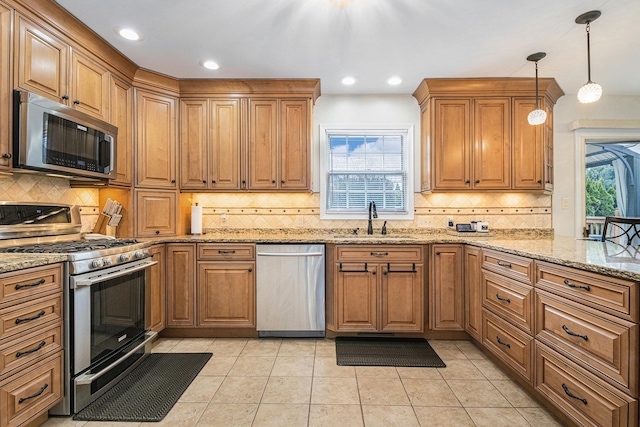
(375, 39)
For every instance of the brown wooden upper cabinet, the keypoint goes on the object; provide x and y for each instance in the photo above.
(245, 142)
(48, 65)
(155, 140)
(5, 87)
(121, 115)
(475, 134)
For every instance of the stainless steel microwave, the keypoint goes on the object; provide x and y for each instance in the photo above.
(51, 137)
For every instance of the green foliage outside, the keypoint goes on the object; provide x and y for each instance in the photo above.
(601, 191)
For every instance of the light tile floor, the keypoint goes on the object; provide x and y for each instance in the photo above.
(296, 382)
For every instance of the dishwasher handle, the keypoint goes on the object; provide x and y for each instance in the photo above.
(293, 254)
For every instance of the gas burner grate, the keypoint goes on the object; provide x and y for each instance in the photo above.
(73, 246)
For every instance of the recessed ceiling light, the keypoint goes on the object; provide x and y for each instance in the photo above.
(348, 80)
(394, 81)
(128, 34)
(210, 65)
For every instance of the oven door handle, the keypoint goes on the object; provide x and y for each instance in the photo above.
(85, 379)
(96, 277)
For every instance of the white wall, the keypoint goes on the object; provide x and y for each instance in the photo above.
(566, 111)
(365, 109)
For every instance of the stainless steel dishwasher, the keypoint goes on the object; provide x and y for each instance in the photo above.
(290, 290)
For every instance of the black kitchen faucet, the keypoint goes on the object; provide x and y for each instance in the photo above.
(372, 214)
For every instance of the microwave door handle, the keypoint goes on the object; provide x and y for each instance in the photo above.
(85, 379)
(97, 278)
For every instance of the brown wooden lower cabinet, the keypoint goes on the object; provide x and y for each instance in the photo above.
(356, 298)
(158, 289)
(446, 289)
(581, 395)
(181, 284)
(473, 291)
(226, 294)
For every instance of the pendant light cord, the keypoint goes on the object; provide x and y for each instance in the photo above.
(588, 53)
(537, 85)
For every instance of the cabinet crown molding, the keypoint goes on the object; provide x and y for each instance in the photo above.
(282, 88)
(478, 87)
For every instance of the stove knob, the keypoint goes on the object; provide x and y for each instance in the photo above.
(96, 263)
(107, 261)
(123, 257)
(140, 254)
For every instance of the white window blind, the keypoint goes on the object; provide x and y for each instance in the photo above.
(365, 166)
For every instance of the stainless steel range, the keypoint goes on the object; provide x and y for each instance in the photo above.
(106, 296)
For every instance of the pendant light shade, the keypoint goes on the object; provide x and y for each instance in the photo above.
(537, 116)
(590, 91)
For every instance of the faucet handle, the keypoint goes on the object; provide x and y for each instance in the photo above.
(355, 231)
(384, 228)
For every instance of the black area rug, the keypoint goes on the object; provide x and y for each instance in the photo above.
(402, 352)
(149, 391)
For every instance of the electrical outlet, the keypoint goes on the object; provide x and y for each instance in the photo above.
(300, 221)
(565, 203)
(223, 219)
(450, 223)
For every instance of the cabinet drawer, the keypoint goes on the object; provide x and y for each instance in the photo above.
(23, 350)
(228, 251)
(511, 345)
(404, 253)
(615, 296)
(29, 393)
(27, 284)
(581, 395)
(509, 298)
(30, 315)
(606, 344)
(513, 266)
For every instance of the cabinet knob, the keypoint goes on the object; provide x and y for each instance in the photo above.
(273, 181)
(157, 231)
(373, 272)
(548, 182)
(437, 253)
(250, 270)
(467, 182)
(65, 97)
(282, 182)
(173, 181)
(477, 181)
(76, 102)
(204, 181)
(213, 181)
(539, 181)
(7, 155)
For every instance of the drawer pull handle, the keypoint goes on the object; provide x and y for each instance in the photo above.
(571, 285)
(33, 350)
(31, 285)
(504, 264)
(354, 271)
(226, 252)
(28, 319)
(502, 342)
(566, 390)
(36, 394)
(503, 298)
(570, 332)
(388, 270)
(379, 253)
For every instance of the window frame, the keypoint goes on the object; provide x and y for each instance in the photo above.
(406, 130)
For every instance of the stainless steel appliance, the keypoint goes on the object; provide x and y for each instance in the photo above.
(106, 296)
(290, 282)
(52, 137)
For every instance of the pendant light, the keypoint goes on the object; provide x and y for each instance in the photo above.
(590, 91)
(537, 116)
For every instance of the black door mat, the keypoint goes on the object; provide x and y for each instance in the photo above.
(401, 352)
(149, 391)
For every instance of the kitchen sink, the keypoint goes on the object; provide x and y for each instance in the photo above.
(373, 236)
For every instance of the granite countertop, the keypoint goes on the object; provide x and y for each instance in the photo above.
(605, 258)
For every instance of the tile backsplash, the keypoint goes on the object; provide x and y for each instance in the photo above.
(268, 210)
(25, 187)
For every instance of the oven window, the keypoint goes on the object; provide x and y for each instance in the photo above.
(117, 313)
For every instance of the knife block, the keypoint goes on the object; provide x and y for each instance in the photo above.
(101, 224)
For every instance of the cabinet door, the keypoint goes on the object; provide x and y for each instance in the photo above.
(41, 61)
(158, 289)
(548, 150)
(294, 145)
(491, 144)
(473, 291)
(226, 294)
(446, 293)
(193, 144)
(155, 213)
(225, 144)
(181, 284)
(5, 87)
(528, 147)
(156, 140)
(452, 144)
(357, 297)
(121, 116)
(263, 144)
(89, 85)
(402, 298)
